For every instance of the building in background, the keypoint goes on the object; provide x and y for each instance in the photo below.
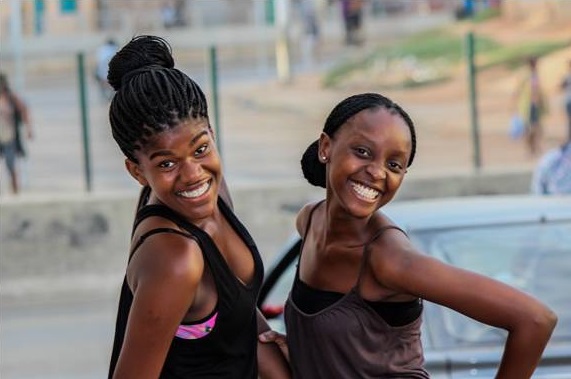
(56, 30)
(62, 17)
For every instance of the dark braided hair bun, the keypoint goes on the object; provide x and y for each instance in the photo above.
(141, 52)
(313, 169)
(152, 96)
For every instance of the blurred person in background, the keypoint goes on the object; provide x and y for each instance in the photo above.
(103, 56)
(566, 87)
(187, 307)
(352, 12)
(168, 14)
(173, 13)
(356, 303)
(530, 105)
(308, 10)
(14, 116)
(552, 175)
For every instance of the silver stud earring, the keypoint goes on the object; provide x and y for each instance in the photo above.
(324, 159)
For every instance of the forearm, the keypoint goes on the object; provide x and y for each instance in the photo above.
(271, 362)
(524, 347)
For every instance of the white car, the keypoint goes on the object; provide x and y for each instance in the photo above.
(523, 240)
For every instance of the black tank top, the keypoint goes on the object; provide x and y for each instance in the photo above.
(230, 349)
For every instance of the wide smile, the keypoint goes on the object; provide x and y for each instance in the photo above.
(365, 192)
(197, 192)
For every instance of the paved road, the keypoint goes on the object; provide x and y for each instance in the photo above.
(57, 340)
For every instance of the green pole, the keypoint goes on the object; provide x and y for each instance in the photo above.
(84, 119)
(473, 99)
(214, 86)
(269, 10)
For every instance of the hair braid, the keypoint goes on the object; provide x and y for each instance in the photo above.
(151, 95)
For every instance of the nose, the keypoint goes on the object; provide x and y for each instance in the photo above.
(191, 171)
(376, 171)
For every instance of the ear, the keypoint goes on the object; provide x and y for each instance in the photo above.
(136, 172)
(324, 150)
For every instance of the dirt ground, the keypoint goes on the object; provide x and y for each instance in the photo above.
(441, 112)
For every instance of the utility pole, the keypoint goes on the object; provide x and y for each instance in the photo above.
(471, 52)
(282, 19)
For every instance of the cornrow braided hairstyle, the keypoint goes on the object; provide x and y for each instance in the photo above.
(151, 95)
(313, 169)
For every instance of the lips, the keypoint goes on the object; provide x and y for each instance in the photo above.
(365, 192)
(197, 192)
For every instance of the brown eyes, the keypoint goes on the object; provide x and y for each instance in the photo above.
(361, 152)
(166, 164)
(364, 153)
(396, 167)
(201, 150)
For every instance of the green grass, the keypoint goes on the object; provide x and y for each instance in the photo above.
(446, 48)
(486, 14)
(438, 44)
(427, 46)
(516, 55)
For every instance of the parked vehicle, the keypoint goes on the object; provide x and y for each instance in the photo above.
(522, 240)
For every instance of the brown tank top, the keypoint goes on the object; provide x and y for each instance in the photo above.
(348, 339)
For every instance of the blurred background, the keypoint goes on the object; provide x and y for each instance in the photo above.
(272, 70)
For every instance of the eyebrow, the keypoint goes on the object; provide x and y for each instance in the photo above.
(167, 152)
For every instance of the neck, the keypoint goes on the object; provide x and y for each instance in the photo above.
(345, 229)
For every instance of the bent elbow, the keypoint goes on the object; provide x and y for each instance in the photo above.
(552, 319)
(545, 321)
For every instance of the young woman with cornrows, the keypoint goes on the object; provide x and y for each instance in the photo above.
(355, 309)
(188, 302)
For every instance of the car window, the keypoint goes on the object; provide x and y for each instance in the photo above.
(535, 258)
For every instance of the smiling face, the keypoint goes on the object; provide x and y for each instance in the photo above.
(182, 167)
(366, 160)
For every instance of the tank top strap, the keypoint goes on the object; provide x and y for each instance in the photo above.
(165, 212)
(192, 231)
(158, 231)
(366, 250)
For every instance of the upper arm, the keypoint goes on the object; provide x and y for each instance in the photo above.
(163, 275)
(399, 266)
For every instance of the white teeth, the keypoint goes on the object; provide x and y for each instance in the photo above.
(366, 192)
(197, 192)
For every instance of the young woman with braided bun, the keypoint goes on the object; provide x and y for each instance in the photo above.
(355, 307)
(188, 302)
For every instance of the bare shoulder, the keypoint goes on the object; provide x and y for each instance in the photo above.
(166, 256)
(391, 254)
(303, 217)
